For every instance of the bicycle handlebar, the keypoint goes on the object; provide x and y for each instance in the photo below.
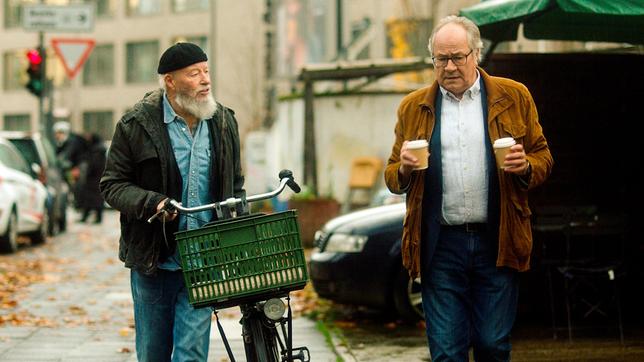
(286, 179)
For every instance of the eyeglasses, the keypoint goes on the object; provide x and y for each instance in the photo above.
(458, 60)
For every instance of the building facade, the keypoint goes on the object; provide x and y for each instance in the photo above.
(129, 36)
(257, 49)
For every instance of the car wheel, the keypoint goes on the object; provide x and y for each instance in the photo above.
(52, 225)
(407, 296)
(62, 222)
(40, 236)
(9, 241)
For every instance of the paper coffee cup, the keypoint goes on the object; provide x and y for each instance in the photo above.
(501, 149)
(419, 148)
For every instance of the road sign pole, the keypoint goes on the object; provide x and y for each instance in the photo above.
(49, 119)
(43, 80)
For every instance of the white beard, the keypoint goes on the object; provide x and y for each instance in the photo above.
(201, 109)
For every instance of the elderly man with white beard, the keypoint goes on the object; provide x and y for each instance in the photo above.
(179, 143)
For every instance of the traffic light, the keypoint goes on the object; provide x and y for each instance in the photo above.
(34, 84)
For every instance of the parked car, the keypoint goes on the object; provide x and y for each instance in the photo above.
(23, 200)
(38, 150)
(358, 260)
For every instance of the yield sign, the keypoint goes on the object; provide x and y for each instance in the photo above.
(72, 53)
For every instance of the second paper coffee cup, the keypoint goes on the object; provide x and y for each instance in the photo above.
(419, 148)
(501, 149)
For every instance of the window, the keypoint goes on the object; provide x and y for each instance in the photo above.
(14, 70)
(202, 41)
(408, 37)
(99, 67)
(179, 6)
(143, 7)
(142, 59)
(104, 8)
(358, 29)
(301, 32)
(17, 122)
(13, 12)
(99, 122)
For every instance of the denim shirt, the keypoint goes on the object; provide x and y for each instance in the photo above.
(192, 152)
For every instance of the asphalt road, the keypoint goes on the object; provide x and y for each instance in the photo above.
(377, 337)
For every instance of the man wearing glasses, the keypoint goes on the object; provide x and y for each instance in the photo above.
(467, 229)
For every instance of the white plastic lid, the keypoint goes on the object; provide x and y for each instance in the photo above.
(504, 142)
(417, 144)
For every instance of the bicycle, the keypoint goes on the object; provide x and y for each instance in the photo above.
(246, 260)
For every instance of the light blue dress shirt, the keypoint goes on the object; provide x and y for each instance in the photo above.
(193, 155)
(463, 157)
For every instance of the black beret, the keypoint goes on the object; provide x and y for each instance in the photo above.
(180, 56)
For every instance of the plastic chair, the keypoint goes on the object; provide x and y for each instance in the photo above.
(363, 177)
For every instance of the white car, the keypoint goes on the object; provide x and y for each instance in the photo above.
(23, 200)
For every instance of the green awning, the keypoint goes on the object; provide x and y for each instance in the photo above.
(620, 21)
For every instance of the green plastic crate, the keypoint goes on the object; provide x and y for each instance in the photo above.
(242, 259)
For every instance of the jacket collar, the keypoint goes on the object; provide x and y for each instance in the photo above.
(150, 109)
(498, 99)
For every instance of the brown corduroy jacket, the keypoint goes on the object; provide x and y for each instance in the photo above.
(511, 113)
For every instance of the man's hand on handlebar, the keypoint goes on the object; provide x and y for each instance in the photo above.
(168, 215)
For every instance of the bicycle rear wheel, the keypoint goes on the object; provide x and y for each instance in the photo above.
(260, 340)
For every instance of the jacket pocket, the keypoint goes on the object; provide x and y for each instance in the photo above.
(514, 129)
(148, 169)
(522, 207)
(519, 229)
(144, 152)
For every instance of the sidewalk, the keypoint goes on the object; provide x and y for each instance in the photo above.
(81, 310)
(304, 332)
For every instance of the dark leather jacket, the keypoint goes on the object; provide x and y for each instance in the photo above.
(141, 171)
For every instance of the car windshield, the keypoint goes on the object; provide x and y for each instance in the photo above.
(11, 159)
(27, 148)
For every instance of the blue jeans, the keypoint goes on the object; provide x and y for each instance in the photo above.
(467, 300)
(164, 320)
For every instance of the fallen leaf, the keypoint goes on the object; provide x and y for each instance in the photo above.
(124, 332)
(74, 309)
(391, 325)
(345, 324)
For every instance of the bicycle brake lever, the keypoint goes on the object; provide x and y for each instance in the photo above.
(167, 206)
(155, 216)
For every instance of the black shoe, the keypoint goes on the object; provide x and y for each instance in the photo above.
(84, 216)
